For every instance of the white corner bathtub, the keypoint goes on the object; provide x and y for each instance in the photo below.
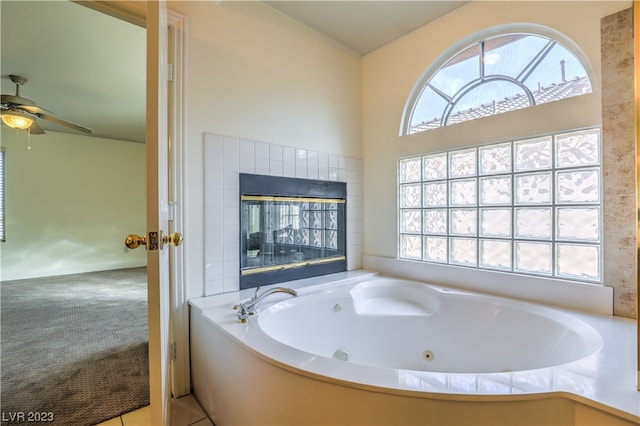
(367, 349)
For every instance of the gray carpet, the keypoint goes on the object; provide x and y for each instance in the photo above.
(74, 346)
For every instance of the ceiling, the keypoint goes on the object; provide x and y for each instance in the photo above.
(364, 26)
(82, 65)
(91, 69)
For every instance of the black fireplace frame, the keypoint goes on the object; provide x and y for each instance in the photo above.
(276, 186)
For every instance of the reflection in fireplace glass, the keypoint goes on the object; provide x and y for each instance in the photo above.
(290, 232)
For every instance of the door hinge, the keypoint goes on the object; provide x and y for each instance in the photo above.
(170, 72)
(173, 351)
(171, 210)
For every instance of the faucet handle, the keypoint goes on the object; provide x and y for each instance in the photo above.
(253, 298)
(243, 312)
(255, 295)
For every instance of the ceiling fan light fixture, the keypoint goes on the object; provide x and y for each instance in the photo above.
(16, 119)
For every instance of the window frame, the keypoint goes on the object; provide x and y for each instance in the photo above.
(474, 39)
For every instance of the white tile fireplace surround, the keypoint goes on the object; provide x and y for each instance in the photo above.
(225, 158)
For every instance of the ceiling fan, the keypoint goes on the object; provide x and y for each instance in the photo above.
(21, 113)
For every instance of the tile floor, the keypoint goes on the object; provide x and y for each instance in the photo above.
(185, 411)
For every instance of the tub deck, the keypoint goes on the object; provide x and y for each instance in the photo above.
(604, 381)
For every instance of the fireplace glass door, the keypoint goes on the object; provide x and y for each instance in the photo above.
(290, 232)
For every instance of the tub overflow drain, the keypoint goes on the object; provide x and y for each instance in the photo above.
(341, 354)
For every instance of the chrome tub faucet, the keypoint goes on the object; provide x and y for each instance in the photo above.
(250, 307)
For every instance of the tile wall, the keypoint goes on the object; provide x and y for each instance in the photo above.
(619, 161)
(225, 158)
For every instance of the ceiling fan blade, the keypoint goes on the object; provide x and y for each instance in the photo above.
(64, 123)
(33, 109)
(16, 100)
(35, 129)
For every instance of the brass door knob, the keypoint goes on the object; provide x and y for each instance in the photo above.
(134, 241)
(175, 239)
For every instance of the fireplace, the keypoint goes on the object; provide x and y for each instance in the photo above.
(290, 229)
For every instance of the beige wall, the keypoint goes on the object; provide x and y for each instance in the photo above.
(255, 74)
(70, 201)
(390, 73)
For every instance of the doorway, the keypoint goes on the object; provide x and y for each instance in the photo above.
(71, 199)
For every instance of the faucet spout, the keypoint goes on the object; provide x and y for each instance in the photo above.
(251, 306)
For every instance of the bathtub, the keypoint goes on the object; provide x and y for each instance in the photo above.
(360, 348)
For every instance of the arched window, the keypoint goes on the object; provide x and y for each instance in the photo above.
(496, 74)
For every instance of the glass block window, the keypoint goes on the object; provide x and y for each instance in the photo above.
(494, 75)
(530, 206)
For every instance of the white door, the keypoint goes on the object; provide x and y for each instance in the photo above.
(160, 237)
(168, 311)
(158, 212)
